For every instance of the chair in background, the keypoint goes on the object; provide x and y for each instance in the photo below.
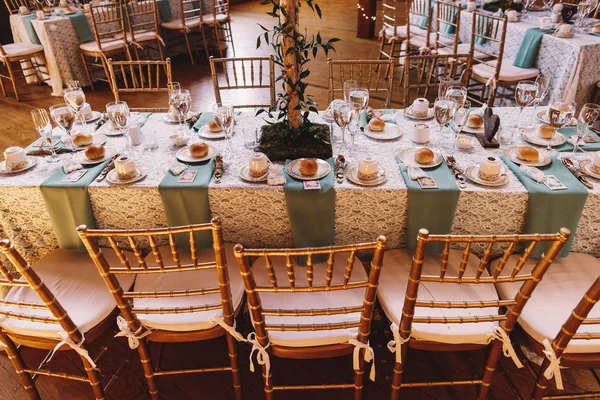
(447, 26)
(189, 22)
(393, 32)
(218, 18)
(458, 309)
(244, 75)
(13, 5)
(143, 26)
(367, 73)
(22, 61)
(322, 310)
(58, 303)
(178, 296)
(108, 24)
(597, 93)
(418, 25)
(137, 77)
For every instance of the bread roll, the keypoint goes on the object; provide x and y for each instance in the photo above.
(309, 167)
(69, 10)
(475, 121)
(376, 125)
(545, 131)
(424, 156)
(527, 153)
(596, 29)
(94, 152)
(82, 139)
(199, 150)
(213, 126)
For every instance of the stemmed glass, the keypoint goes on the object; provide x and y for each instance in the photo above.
(64, 117)
(342, 115)
(548, 4)
(443, 110)
(583, 9)
(44, 128)
(359, 99)
(461, 116)
(173, 88)
(118, 113)
(560, 114)
(75, 97)
(182, 101)
(525, 94)
(349, 86)
(458, 93)
(445, 83)
(527, 4)
(224, 116)
(587, 116)
(543, 88)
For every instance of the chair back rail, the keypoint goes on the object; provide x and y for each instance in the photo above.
(447, 25)
(418, 20)
(214, 8)
(13, 5)
(189, 11)
(390, 12)
(108, 23)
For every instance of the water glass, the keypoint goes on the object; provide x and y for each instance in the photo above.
(349, 86)
(587, 116)
(250, 137)
(118, 113)
(560, 114)
(525, 94)
(150, 139)
(445, 83)
(64, 117)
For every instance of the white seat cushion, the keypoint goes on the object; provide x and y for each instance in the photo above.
(508, 72)
(186, 322)
(552, 301)
(21, 49)
(142, 36)
(392, 287)
(75, 281)
(463, 48)
(177, 24)
(389, 32)
(443, 39)
(92, 47)
(209, 19)
(307, 301)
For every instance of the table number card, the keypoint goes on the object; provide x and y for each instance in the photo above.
(75, 175)
(312, 185)
(187, 176)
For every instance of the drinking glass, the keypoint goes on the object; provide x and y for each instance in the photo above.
(118, 113)
(359, 99)
(560, 114)
(526, 5)
(587, 116)
(182, 101)
(250, 137)
(525, 94)
(349, 86)
(445, 83)
(443, 110)
(458, 93)
(73, 85)
(224, 116)
(543, 88)
(172, 88)
(64, 117)
(461, 115)
(41, 121)
(75, 97)
(342, 115)
(548, 4)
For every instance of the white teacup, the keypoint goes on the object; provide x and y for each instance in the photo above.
(490, 169)
(40, 14)
(595, 166)
(512, 16)
(471, 6)
(23, 10)
(258, 165)
(565, 30)
(63, 3)
(420, 133)
(368, 169)
(420, 107)
(15, 157)
(546, 23)
(125, 168)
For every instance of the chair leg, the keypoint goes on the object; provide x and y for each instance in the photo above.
(490, 367)
(359, 376)
(230, 34)
(268, 383)
(15, 357)
(160, 50)
(148, 371)
(235, 366)
(95, 380)
(204, 42)
(2, 86)
(218, 38)
(12, 78)
(397, 380)
(87, 70)
(541, 384)
(187, 42)
(105, 67)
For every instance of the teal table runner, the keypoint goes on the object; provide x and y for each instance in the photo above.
(432, 209)
(68, 205)
(187, 203)
(569, 132)
(529, 49)
(33, 37)
(548, 210)
(311, 213)
(164, 10)
(82, 27)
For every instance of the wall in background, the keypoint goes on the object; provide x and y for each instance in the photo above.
(5, 33)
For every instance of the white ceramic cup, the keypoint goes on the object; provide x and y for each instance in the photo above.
(565, 30)
(125, 167)
(490, 168)
(596, 163)
(135, 134)
(15, 157)
(40, 14)
(23, 10)
(63, 3)
(512, 16)
(546, 23)
(258, 165)
(420, 133)
(368, 169)
(471, 6)
(420, 106)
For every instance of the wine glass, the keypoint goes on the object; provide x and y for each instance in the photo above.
(548, 4)
(64, 117)
(445, 83)
(118, 113)
(75, 97)
(543, 88)
(443, 110)
(527, 4)
(461, 116)
(525, 94)
(172, 88)
(349, 86)
(587, 116)
(41, 121)
(224, 116)
(560, 114)
(342, 115)
(182, 101)
(458, 93)
(359, 99)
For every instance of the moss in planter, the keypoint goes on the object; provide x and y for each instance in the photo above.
(279, 145)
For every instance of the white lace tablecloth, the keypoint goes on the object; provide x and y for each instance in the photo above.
(256, 214)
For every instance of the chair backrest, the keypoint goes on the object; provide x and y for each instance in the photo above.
(418, 20)
(426, 72)
(27, 278)
(134, 240)
(478, 275)
(138, 77)
(390, 13)
(292, 286)
(247, 76)
(13, 5)
(447, 25)
(141, 16)
(108, 23)
(215, 7)
(189, 10)
(370, 74)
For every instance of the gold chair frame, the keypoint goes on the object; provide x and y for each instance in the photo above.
(234, 67)
(390, 15)
(447, 13)
(13, 5)
(219, 7)
(507, 321)
(34, 62)
(190, 10)
(124, 299)
(142, 9)
(418, 9)
(258, 313)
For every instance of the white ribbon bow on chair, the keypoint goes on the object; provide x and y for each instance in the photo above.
(77, 347)
(395, 346)
(553, 369)
(133, 338)
(369, 356)
(491, 82)
(507, 347)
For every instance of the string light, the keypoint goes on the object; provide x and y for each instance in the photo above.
(365, 16)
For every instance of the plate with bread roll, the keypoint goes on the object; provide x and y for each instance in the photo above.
(308, 169)
(212, 130)
(527, 155)
(93, 154)
(542, 116)
(196, 152)
(83, 140)
(542, 134)
(420, 157)
(474, 124)
(380, 130)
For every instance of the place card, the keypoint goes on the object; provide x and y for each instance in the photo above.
(427, 182)
(75, 175)
(312, 185)
(187, 176)
(553, 183)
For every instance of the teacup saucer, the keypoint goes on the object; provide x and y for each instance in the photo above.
(531, 136)
(390, 132)
(31, 162)
(244, 173)
(204, 132)
(586, 166)
(352, 175)
(112, 177)
(472, 173)
(408, 113)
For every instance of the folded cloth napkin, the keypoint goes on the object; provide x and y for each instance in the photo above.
(68, 205)
(311, 212)
(530, 46)
(164, 10)
(432, 209)
(187, 203)
(548, 210)
(204, 119)
(82, 27)
(571, 132)
(33, 37)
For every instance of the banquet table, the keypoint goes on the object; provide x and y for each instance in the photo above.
(255, 214)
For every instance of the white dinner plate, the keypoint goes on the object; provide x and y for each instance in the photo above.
(293, 169)
(112, 177)
(352, 175)
(83, 160)
(245, 175)
(31, 162)
(407, 156)
(544, 157)
(110, 131)
(408, 114)
(543, 117)
(390, 132)
(204, 132)
(472, 173)
(586, 166)
(184, 155)
(531, 136)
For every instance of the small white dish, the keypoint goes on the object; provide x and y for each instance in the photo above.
(185, 156)
(244, 173)
(586, 166)
(352, 175)
(564, 36)
(390, 132)
(113, 177)
(293, 169)
(407, 156)
(178, 141)
(543, 159)
(111, 132)
(408, 113)
(531, 136)
(472, 173)
(31, 162)
(205, 133)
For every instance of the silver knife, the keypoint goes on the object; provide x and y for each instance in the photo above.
(575, 171)
(457, 172)
(102, 121)
(107, 169)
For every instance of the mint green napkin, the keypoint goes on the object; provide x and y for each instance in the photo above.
(568, 132)
(82, 27)
(204, 119)
(548, 210)
(33, 37)
(68, 205)
(432, 209)
(311, 212)
(187, 203)
(530, 46)
(363, 118)
(164, 10)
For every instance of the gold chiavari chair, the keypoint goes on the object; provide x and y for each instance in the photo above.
(489, 68)
(143, 25)
(108, 24)
(324, 311)
(178, 296)
(219, 19)
(393, 32)
(418, 25)
(58, 303)
(447, 26)
(13, 5)
(457, 308)
(367, 73)
(426, 72)
(245, 76)
(22, 61)
(560, 308)
(189, 22)
(140, 77)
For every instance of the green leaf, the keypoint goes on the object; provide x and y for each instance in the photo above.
(267, 37)
(333, 40)
(265, 29)
(258, 42)
(319, 40)
(314, 51)
(318, 10)
(313, 109)
(258, 112)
